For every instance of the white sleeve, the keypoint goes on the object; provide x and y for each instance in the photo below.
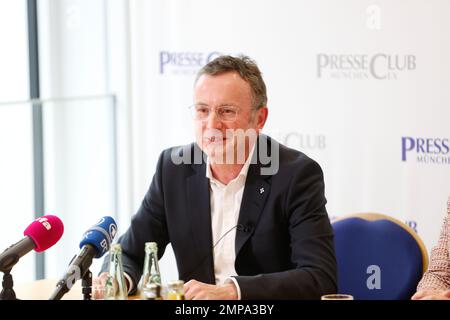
(236, 284)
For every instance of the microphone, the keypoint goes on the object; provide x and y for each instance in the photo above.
(40, 235)
(239, 227)
(95, 243)
(243, 228)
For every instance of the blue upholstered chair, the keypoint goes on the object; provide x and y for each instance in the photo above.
(378, 257)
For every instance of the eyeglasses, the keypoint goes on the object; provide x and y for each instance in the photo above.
(224, 113)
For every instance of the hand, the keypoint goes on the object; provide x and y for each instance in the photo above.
(196, 290)
(98, 286)
(431, 295)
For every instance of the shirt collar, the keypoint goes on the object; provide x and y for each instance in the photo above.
(242, 173)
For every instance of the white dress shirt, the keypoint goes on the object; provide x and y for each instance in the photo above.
(225, 206)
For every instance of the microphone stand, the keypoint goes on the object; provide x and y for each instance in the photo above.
(7, 287)
(86, 285)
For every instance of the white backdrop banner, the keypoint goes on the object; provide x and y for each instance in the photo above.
(359, 86)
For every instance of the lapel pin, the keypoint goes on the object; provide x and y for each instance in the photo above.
(261, 191)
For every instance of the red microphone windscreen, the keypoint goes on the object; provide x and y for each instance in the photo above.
(45, 232)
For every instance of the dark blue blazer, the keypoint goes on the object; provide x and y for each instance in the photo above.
(284, 240)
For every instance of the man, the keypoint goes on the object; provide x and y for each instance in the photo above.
(246, 223)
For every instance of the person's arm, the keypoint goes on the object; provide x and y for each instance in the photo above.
(437, 277)
(313, 254)
(432, 295)
(196, 290)
(149, 224)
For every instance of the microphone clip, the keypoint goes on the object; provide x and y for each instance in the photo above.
(86, 285)
(243, 228)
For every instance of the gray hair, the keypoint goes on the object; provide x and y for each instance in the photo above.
(246, 68)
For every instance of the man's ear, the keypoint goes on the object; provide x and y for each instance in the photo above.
(261, 117)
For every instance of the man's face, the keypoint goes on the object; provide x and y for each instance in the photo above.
(217, 136)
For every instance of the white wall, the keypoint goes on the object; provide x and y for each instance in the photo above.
(16, 162)
(80, 121)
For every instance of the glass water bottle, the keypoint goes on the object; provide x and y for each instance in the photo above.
(115, 287)
(151, 274)
(152, 292)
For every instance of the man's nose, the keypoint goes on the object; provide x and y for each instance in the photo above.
(213, 121)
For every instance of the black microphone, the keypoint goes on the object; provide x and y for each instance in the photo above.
(96, 242)
(241, 227)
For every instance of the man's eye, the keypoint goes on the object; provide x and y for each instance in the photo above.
(202, 110)
(227, 111)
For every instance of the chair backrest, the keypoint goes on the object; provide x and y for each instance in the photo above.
(378, 257)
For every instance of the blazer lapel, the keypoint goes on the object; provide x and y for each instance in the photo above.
(257, 189)
(198, 195)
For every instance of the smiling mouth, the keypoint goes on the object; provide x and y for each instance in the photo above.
(214, 139)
